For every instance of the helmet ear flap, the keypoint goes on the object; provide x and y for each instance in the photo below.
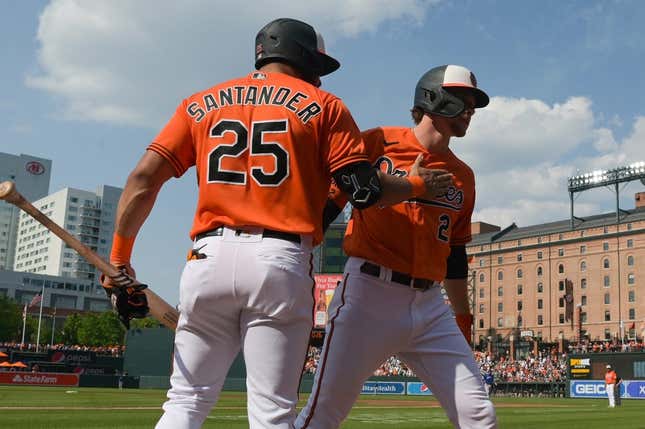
(440, 102)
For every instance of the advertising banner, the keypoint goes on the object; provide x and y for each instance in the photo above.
(629, 389)
(635, 389)
(325, 286)
(383, 388)
(587, 389)
(580, 367)
(418, 389)
(38, 379)
(71, 357)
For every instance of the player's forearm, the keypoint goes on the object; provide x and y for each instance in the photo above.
(140, 193)
(395, 189)
(457, 291)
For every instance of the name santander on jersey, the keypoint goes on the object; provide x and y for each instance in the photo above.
(255, 95)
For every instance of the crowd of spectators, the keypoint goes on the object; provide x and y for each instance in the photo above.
(607, 346)
(548, 366)
(391, 367)
(115, 350)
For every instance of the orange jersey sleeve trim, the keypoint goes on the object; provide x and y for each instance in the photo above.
(350, 160)
(169, 156)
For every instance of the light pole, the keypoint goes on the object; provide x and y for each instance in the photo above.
(579, 307)
(473, 289)
(53, 326)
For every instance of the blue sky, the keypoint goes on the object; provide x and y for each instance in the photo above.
(89, 84)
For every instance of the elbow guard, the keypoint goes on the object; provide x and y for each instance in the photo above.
(457, 263)
(360, 182)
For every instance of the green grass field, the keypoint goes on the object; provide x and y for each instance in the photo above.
(72, 408)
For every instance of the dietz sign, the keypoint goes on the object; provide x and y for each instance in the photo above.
(35, 168)
(38, 379)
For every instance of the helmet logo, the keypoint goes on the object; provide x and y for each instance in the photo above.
(429, 94)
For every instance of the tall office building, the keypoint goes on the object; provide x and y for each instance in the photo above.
(31, 176)
(87, 215)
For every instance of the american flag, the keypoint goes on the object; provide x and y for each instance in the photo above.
(36, 300)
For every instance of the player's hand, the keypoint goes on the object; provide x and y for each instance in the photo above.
(437, 180)
(125, 277)
(465, 323)
(126, 294)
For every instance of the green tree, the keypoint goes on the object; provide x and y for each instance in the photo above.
(31, 330)
(147, 322)
(10, 320)
(100, 329)
(111, 328)
(69, 335)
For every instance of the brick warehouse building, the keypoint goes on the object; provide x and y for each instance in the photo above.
(552, 281)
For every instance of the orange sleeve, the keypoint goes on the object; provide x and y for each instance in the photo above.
(373, 140)
(343, 137)
(175, 142)
(461, 232)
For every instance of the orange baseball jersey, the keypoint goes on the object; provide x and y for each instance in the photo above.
(412, 237)
(610, 377)
(264, 146)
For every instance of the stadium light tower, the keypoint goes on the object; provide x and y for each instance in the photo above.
(599, 178)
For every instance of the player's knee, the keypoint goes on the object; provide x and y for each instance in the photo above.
(484, 415)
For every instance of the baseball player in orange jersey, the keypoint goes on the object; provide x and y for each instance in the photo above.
(398, 256)
(265, 147)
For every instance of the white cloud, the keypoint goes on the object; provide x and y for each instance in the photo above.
(523, 152)
(604, 140)
(521, 132)
(633, 148)
(131, 62)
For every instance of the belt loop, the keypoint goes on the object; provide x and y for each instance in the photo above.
(385, 274)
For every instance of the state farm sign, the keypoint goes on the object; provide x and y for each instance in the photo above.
(38, 379)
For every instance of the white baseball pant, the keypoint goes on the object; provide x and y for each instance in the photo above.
(611, 392)
(372, 318)
(250, 293)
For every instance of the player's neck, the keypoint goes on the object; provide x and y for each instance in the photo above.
(284, 68)
(280, 68)
(430, 137)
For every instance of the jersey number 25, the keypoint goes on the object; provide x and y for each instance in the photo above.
(259, 147)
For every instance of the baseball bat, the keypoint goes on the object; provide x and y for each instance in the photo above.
(159, 309)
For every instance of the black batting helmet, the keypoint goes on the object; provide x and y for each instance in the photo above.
(431, 97)
(295, 43)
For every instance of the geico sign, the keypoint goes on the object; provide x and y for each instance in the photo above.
(590, 389)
